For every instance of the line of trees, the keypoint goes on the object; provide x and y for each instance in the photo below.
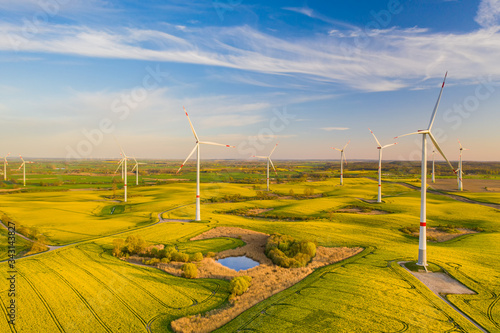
(136, 245)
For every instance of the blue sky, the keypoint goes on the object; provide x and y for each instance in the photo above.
(309, 74)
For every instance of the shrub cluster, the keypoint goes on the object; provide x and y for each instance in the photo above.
(227, 198)
(268, 215)
(39, 240)
(189, 271)
(287, 252)
(410, 230)
(239, 285)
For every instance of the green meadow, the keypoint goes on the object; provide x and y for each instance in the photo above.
(82, 287)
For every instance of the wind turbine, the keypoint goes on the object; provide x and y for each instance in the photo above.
(460, 172)
(23, 165)
(342, 161)
(268, 158)
(422, 242)
(433, 170)
(136, 168)
(5, 163)
(380, 147)
(197, 148)
(123, 165)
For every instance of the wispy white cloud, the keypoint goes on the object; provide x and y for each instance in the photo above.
(334, 128)
(488, 13)
(302, 10)
(386, 60)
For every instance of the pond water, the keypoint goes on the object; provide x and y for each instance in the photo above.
(238, 263)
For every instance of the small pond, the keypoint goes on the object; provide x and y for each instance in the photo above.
(238, 263)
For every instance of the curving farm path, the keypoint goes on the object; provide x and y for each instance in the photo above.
(449, 195)
(55, 247)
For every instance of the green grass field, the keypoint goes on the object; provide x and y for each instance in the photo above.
(82, 287)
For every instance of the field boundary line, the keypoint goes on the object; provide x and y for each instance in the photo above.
(286, 293)
(56, 247)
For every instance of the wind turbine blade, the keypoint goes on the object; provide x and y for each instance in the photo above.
(345, 159)
(135, 166)
(272, 151)
(190, 154)
(375, 137)
(460, 144)
(21, 158)
(273, 167)
(216, 144)
(337, 149)
(400, 136)
(21, 166)
(191, 124)
(391, 144)
(119, 165)
(437, 104)
(346, 144)
(440, 151)
(121, 150)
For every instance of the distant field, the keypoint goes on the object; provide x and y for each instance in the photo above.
(469, 185)
(82, 287)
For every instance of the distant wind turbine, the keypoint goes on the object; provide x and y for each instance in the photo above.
(5, 163)
(422, 244)
(123, 165)
(136, 168)
(23, 165)
(460, 171)
(342, 161)
(269, 161)
(197, 148)
(380, 147)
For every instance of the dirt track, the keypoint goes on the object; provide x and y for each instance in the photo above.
(449, 195)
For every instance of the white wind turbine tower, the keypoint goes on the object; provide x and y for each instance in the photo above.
(23, 165)
(342, 161)
(433, 170)
(136, 168)
(460, 172)
(380, 147)
(422, 244)
(268, 158)
(123, 165)
(197, 148)
(5, 163)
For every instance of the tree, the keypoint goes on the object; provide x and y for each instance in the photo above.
(196, 257)
(189, 271)
(239, 285)
(118, 245)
